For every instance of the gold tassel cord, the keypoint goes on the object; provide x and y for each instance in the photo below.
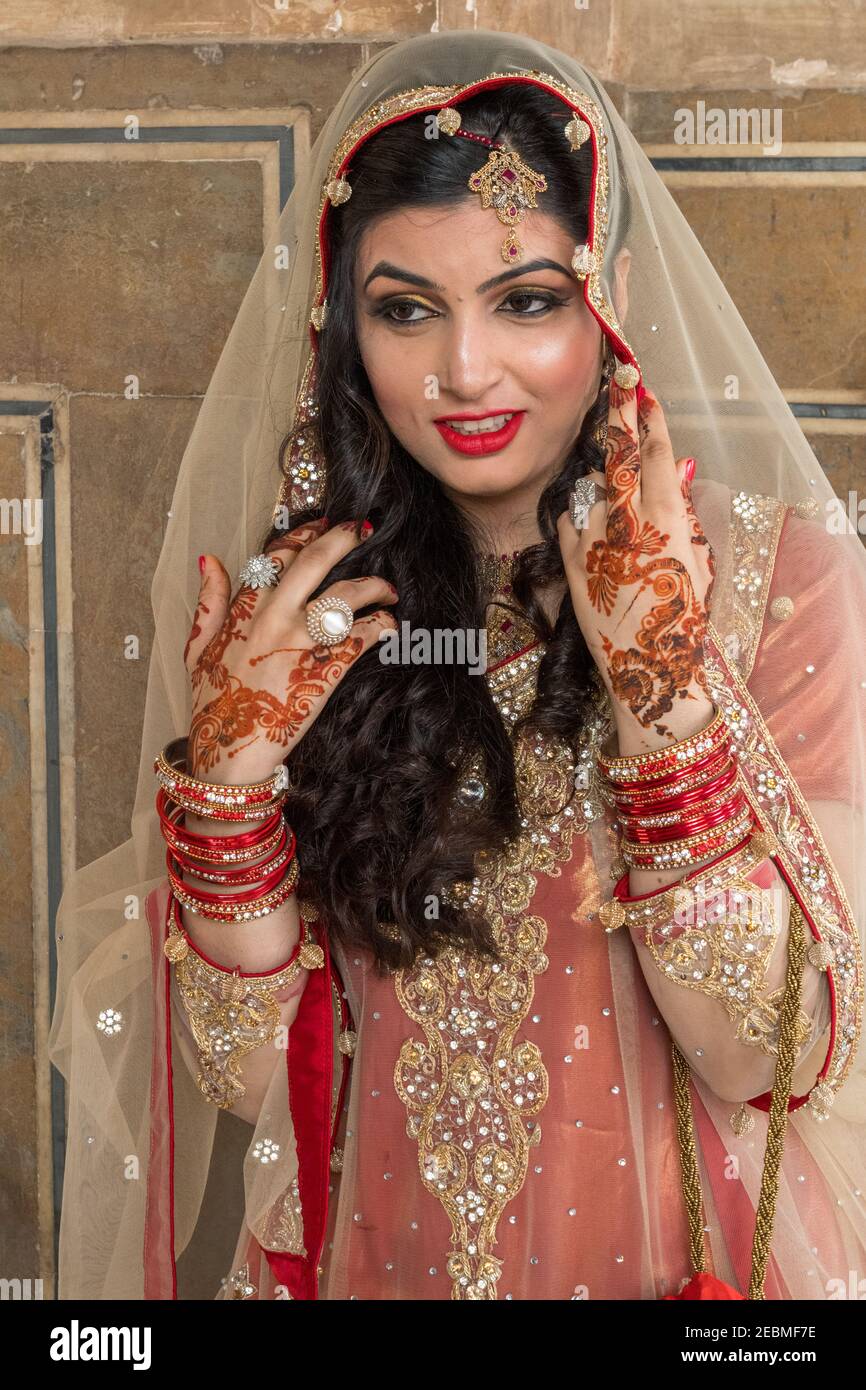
(778, 1122)
(776, 1127)
(689, 1161)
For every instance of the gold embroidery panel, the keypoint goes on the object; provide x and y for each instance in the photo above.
(472, 1088)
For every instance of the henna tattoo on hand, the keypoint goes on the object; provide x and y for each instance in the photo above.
(666, 659)
(240, 713)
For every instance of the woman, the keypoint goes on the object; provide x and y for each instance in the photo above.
(540, 985)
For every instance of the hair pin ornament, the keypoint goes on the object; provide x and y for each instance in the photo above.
(505, 182)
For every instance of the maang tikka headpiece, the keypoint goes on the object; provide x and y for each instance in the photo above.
(505, 183)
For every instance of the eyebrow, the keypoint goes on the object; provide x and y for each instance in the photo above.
(395, 272)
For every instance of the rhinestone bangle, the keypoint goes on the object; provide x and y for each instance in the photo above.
(646, 767)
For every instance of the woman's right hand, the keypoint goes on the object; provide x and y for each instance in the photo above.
(258, 680)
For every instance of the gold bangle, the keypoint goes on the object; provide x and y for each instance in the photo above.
(215, 800)
(648, 766)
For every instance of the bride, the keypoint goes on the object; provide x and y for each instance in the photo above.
(532, 978)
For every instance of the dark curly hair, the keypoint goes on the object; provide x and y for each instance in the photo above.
(373, 780)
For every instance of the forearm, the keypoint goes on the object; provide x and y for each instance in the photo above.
(713, 949)
(719, 989)
(254, 948)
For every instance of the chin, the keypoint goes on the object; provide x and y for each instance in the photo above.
(494, 476)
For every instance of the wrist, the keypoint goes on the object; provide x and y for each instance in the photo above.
(687, 717)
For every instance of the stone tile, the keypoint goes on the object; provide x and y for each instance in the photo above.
(190, 21)
(584, 33)
(124, 458)
(841, 457)
(178, 77)
(779, 45)
(807, 115)
(19, 1215)
(805, 312)
(111, 269)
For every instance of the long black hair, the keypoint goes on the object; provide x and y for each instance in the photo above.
(373, 780)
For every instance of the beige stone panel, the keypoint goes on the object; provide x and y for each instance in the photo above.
(839, 446)
(779, 43)
(161, 77)
(585, 34)
(125, 268)
(195, 21)
(805, 311)
(806, 115)
(19, 1138)
(124, 460)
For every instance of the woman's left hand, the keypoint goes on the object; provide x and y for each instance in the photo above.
(640, 575)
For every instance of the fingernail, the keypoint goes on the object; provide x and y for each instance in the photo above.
(689, 470)
(366, 528)
(201, 563)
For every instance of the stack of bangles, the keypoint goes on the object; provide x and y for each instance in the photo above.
(225, 859)
(680, 804)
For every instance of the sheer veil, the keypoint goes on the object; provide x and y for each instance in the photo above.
(783, 656)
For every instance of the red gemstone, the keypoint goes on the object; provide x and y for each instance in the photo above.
(509, 174)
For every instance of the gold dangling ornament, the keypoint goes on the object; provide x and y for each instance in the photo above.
(505, 182)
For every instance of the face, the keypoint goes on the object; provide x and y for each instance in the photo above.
(483, 371)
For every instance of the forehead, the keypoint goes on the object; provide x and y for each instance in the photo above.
(457, 245)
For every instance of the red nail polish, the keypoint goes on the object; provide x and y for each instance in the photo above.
(366, 528)
(689, 471)
(201, 563)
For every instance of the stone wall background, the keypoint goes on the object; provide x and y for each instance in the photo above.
(100, 240)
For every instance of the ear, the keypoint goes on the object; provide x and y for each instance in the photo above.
(620, 283)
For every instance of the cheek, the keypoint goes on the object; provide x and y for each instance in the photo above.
(395, 389)
(562, 366)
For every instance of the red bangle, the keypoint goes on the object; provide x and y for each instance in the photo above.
(672, 772)
(241, 874)
(659, 835)
(672, 801)
(621, 889)
(261, 889)
(218, 848)
(687, 826)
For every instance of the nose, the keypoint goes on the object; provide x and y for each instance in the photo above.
(470, 366)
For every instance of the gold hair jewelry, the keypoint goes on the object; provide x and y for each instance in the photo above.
(505, 182)
(626, 376)
(339, 191)
(584, 261)
(577, 132)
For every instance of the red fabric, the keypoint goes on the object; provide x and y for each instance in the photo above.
(310, 1066)
(160, 1272)
(704, 1287)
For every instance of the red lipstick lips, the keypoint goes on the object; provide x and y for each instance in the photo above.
(485, 442)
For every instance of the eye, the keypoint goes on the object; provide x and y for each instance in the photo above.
(521, 302)
(405, 311)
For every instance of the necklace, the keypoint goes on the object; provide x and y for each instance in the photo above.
(496, 572)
